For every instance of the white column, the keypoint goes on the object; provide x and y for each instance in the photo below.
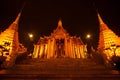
(79, 51)
(41, 51)
(82, 53)
(66, 48)
(51, 48)
(48, 50)
(35, 54)
(70, 49)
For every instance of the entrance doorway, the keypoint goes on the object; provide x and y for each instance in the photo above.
(60, 48)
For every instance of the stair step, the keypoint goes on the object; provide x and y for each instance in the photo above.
(58, 77)
(59, 69)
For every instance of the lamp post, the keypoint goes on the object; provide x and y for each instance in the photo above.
(88, 37)
(31, 37)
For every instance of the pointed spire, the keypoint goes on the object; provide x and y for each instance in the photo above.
(18, 18)
(100, 19)
(103, 26)
(10, 35)
(60, 23)
(106, 37)
(19, 15)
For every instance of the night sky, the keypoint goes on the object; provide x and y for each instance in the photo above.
(79, 17)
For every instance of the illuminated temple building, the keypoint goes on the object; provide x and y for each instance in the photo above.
(59, 45)
(109, 42)
(9, 43)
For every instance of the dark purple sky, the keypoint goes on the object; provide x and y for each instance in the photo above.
(79, 17)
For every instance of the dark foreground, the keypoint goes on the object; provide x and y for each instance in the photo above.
(59, 69)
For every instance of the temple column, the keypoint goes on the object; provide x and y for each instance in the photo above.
(82, 51)
(79, 51)
(50, 45)
(70, 49)
(52, 48)
(34, 52)
(41, 51)
(45, 50)
(36, 49)
(66, 48)
(55, 49)
(48, 50)
(39, 55)
(73, 50)
(85, 51)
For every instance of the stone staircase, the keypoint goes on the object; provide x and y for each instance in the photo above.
(59, 69)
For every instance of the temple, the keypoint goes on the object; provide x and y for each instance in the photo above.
(59, 45)
(109, 42)
(9, 42)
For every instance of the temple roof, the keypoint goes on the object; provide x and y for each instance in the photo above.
(59, 32)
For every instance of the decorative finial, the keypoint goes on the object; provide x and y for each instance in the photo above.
(17, 19)
(60, 23)
(100, 19)
(102, 23)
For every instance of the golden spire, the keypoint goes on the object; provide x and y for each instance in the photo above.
(100, 19)
(18, 18)
(106, 37)
(14, 25)
(60, 23)
(19, 15)
(103, 26)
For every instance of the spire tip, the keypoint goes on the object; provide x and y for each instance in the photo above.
(60, 23)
